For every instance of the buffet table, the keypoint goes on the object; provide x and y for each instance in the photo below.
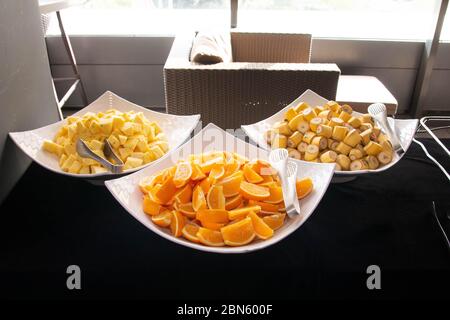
(380, 219)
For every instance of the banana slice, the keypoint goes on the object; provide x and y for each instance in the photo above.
(312, 151)
(343, 161)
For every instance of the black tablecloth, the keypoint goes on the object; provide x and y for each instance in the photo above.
(49, 222)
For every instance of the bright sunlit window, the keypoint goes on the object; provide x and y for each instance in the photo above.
(143, 17)
(369, 19)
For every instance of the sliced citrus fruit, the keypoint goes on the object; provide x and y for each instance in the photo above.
(265, 206)
(262, 230)
(240, 159)
(182, 174)
(163, 219)
(198, 199)
(215, 198)
(239, 233)
(166, 191)
(231, 184)
(150, 207)
(212, 215)
(187, 210)
(242, 212)
(251, 175)
(177, 223)
(274, 221)
(304, 187)
(184, 195)
(197, 173)
(146, 184)
(276, 195)
(253, 191)
(207, 166)
(210, 237)
(217, 172)
(230, 168)
(233, 202)
(205, 184)
(189, 232)
(266, 178)
(212, 225)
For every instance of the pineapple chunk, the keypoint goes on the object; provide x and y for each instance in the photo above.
(149, 157)
(124, 153)
(85, 170)
(94, 127)
(128, 128)
(133, 163)
(52, 147)
(157, 152)
(70, 148)
(142, 146)
(138, 155)
(106, 125)
(118, 122)
(98, 169)
(131, 143)
(122, 139)
(66, 165)
(62, 159)
(75, 167)
(156, 126)
(115, 143)
(163, 145)
(96, 145)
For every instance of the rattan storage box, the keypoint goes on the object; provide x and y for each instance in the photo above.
(268, 72)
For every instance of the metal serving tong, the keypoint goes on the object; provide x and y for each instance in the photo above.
(379, 114)
(287, 171)
(85, 152)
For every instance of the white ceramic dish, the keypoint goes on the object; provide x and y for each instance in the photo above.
(255, 131)
(176, 128)
(127, 192)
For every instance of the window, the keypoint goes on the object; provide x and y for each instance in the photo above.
(445, 33)
(141, 17)
(370, 19)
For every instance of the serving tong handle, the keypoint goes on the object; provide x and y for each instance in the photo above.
(86, 152)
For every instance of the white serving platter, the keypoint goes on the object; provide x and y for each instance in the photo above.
(212, 138)
(405, 128)
(176, 128)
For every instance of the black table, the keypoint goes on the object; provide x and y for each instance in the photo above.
(50, 222)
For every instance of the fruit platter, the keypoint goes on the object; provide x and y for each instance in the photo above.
(314, 129)
(218, 193)
(137, 135)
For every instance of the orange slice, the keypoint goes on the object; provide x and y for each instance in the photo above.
(215, 198)
(276, 195)
(163, 219)
(177, 223)
(198, 199)
(184, 195)
(230, 168)
(253, 191)
(197, 173)
(207, 166)
(182, 174)
(217, 172)
(251, 175)
(242, 212)
(212, 215)
(233, 202)
(231, 184)
(205, 184)
(189, 232)
(265, 207)
(210, 237)
(187, 210)
(150, 207)
(166, 191)
(262, 230)
(146, 184)
(212, 225)
(274, 221)
(304, 187)
(239, 233)
(240, 159)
